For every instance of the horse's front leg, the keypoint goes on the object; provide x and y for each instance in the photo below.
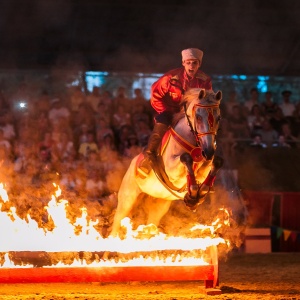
(196, 195)
(187, 160)
(191, 197)
(156, 209)
(208, 183)
(127, 196)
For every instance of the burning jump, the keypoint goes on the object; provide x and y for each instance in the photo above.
(182, 144)
(185, 167)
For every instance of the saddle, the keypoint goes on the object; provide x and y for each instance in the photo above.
(159, 167)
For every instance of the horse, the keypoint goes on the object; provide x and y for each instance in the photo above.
(186, 164)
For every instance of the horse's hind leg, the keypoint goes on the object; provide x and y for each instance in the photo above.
(127, 197)
(156, 209)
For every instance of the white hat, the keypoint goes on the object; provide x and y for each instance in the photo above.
(191, 53)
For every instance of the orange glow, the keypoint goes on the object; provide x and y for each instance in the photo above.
(144, 246)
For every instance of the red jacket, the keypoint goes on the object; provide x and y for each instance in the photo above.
(165, 97)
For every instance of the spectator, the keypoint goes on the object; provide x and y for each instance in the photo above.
(257, 142)
(102, 129)
(281, 142)
(225, 139)
(296, 120)
(268, 134)
(83, 133)
(84, 115)
(132, 149)
(143, 132)
(268, 106)
(139, 99)
(238, 123)
(121, 98)
(288, 135)
(120, 118)
(77, 97)
(103, 112)
(86, 147)
(107, 101)
(254, 96)
(231, 102)
(56, 130)
(64, 147)
(8, 127)
(139, 113)
(94, 98)
(123, 134)
(58, 110)
(108, 144)
(277, 120)
(255, 119)
(286, 106)
(93, 161)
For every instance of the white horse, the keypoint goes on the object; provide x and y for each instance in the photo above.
(186, 164)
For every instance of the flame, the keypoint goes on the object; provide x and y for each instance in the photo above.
(142, 246)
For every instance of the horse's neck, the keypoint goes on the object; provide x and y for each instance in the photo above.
(172, 153)
(183, 129)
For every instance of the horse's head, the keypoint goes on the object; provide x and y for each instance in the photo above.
(204, 114)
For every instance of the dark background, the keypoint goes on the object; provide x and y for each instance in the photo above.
(250, 37)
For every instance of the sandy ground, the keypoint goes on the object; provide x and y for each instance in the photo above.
(242, 276)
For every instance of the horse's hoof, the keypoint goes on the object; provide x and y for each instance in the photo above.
(191, 202)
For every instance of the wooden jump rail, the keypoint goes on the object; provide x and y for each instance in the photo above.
(51, 274)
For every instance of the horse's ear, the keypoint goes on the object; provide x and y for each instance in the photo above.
(201, 94)
(219, 95)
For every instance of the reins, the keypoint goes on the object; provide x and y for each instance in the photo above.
(194, 132)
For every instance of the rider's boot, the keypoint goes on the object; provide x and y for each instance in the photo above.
(150, 151)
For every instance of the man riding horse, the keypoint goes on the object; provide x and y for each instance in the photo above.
(166, 95)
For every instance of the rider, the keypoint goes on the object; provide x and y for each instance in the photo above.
(166, 97)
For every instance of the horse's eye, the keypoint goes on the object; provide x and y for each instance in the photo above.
(218, 119)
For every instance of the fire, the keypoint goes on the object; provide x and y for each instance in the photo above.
(77, 244)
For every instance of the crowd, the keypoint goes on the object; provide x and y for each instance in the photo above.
(85, 141)
(259, 122)
(81, 141)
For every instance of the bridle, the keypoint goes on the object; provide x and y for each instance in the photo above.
(210, 121)
(175, 82)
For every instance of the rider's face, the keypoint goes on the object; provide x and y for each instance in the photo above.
(191, 66)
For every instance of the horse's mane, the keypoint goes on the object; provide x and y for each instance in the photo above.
(189, 96)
